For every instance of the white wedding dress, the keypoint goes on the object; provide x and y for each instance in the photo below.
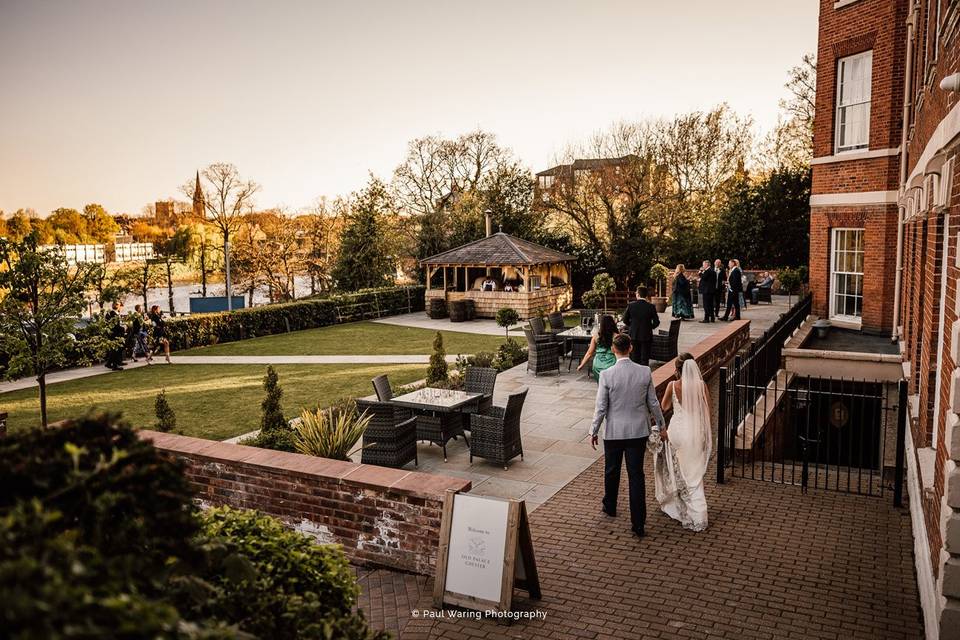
(680, 464)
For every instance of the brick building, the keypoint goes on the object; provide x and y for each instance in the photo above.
(884, 233)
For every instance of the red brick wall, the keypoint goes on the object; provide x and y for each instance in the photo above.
(873, 174)
(859, 27)
(880, 241)
(382, 517)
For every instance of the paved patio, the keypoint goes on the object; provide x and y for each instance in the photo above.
(555, 421)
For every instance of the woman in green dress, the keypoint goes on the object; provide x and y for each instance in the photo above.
(682, 301)
(600, 348)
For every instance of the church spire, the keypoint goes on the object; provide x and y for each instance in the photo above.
(198, 209)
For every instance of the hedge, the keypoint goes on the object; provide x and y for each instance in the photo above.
(309, 313)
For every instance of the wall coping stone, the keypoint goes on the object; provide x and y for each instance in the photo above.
(412, 483)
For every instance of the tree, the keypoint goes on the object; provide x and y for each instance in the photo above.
(321, 228)
(272, 417)
(100, 226)
(364, 260)
(110, 284)
(438, 370)
(143, 277)
(506, 318)
(69, 227)
(41, 299)
(172, 248)
(226, 197)
(201, 241)
(790, 144)
(604, 285)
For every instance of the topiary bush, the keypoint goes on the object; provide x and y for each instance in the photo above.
(438, 370)
(506, 318)
(166, 418)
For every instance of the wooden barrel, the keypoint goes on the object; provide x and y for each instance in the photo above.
(437, 308)
(471, 309)
(458, 311)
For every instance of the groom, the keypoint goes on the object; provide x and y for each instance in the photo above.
(626, 399)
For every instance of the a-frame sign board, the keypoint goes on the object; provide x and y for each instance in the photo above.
(485, 551)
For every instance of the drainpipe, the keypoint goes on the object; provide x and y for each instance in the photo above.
(907, 105)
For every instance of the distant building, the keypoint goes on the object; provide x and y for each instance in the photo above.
(568, 174)
(78, 253)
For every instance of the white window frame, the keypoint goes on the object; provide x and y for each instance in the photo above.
(841, 108)
(834, 315)
(546, 182)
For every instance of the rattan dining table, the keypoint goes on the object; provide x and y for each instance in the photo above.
(440, 413)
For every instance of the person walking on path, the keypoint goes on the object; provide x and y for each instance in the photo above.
(600, 352)
(641, 319)
(626, 401)
(117, 333)
(138, 334)
(160, 338)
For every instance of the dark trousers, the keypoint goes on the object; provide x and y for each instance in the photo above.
(614, 452)
(717, 301)
(641, 352)
(733, 302)
(709, 310)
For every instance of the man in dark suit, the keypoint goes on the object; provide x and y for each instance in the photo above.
(707, 288)
(719, 294)
(734, 290)
(641, 319)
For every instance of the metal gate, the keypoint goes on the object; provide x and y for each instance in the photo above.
(831, 434)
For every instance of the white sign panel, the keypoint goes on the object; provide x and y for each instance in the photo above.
(478, 537)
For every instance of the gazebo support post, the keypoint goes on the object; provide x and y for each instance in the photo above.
(444, 281)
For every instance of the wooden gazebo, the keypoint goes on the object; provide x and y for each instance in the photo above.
(502, 271)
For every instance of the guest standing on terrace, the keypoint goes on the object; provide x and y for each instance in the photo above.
(708, 289)
(641, 319)
(601, 346)
(626, 400)
(682, 302)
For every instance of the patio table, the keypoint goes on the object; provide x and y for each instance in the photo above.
(439, 413)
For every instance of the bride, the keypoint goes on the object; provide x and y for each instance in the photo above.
(681, 457)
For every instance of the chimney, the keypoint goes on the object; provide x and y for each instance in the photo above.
(489, 216)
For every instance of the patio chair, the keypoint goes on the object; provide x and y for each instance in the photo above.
(481, 380)
(578, 349)
(556, 322)
(381, 385)
(541, 356)
(390, 439)
(496, 433)
(540, 331)
(664, 346)
(765, 294)
(440, 428)
(588, 315)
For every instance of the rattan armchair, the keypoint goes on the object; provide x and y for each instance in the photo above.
(556, 322)
(481, 380)
(540, 332)
(390, 440)
(496, 434)
(664, 346)
(381, 385)
(541, 356)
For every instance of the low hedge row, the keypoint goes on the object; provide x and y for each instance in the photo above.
(308, 313)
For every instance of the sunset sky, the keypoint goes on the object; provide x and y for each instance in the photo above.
(119, 102)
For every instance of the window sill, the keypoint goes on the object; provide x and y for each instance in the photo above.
(840, 4)
(856, 154)
(846, 323)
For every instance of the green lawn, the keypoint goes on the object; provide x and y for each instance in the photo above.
(211, 401)
(370, 338)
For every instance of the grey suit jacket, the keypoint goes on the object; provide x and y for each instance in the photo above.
(626, 399)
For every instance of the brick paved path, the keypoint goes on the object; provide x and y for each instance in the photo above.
(773, 564)
(387, 597)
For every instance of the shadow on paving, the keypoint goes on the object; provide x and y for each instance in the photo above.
(774, 563)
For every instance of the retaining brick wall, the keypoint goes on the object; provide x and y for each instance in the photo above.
(383, 517)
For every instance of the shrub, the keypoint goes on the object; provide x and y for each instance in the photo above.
(329, 433)
(509, 354)
(789, 282)
(93, 521)
(276, 583)
(591, 299)
(604, 285)
(166, 418)
(99, 538)
(506, 318)
(272, 417)
(438, 369)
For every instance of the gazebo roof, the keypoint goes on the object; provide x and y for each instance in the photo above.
(499, 249)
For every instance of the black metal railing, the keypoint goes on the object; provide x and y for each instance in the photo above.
(828, 433)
